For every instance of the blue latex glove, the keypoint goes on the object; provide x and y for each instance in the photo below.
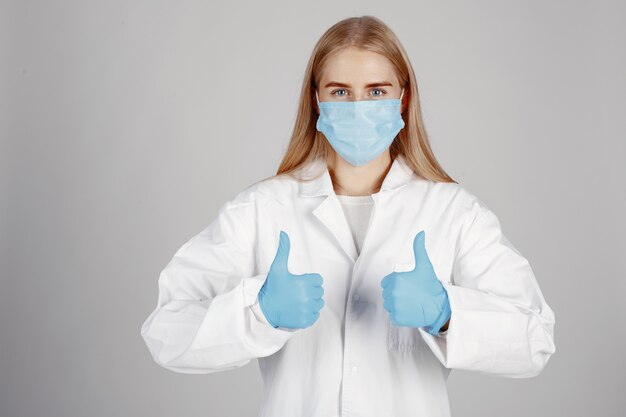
(417, 298)
(288, 300)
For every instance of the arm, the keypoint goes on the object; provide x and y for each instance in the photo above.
(500, 323)
(207, 317)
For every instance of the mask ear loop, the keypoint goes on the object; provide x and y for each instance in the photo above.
(402, 94)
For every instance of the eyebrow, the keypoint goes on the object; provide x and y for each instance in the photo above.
(338, 84)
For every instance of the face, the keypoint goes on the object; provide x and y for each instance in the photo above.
(354, 74)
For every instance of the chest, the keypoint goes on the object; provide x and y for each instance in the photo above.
(321, 241)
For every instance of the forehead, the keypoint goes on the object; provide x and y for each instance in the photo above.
(357, 67)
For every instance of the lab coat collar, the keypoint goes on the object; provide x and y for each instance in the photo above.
(329, 210)
(397, 176)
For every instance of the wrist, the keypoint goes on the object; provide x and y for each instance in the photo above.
(442, 321)
(261, 301)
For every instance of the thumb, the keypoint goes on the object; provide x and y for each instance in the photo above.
(419, 251)
(282, 254)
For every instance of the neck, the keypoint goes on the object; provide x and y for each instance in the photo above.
(360, 181)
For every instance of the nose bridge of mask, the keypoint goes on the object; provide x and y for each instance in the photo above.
(318, 99)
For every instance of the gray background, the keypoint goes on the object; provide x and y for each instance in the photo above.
(126, 124)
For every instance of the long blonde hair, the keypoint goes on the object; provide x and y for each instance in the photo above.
(368, 33)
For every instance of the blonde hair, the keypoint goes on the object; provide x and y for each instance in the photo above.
(368, 33)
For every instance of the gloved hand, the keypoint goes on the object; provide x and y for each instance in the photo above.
(288, 300)
(417, 298)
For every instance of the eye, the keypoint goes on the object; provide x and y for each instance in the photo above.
(340, 89)
(379, 89)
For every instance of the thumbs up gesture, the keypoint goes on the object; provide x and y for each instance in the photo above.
(417, 298)
(288, 300)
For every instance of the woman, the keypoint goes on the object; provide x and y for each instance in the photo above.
(361, 273)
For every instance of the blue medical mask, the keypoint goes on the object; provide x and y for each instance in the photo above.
(359, 131)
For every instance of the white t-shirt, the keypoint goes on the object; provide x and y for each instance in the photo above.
(357, 210)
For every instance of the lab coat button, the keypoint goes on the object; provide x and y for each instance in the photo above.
(355, 368)
(356, 297)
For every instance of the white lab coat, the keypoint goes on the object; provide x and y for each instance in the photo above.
(352, 361)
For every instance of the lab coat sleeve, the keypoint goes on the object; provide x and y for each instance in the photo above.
(501, 324)
(207, 317)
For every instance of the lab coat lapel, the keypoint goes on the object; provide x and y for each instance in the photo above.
(329, 210)
(331, 214)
